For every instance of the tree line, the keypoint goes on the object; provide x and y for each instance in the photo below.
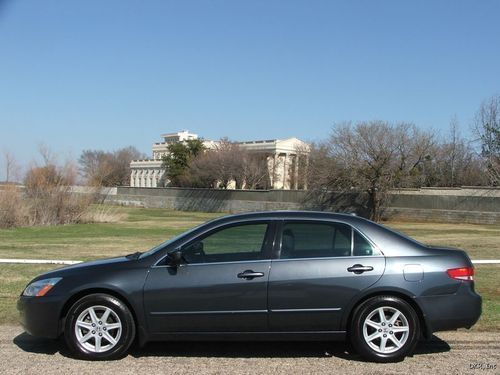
(358, 164)
(355, 166)
(370, 156)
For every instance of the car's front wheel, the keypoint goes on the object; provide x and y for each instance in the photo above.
(99, 327)
(385, 329)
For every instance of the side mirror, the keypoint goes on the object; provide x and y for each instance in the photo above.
(174, 258)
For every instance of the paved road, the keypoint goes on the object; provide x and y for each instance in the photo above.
(447, 353)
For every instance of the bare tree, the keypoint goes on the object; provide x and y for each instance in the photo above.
(414, 148)
(367, 159)
(453, 162)
(11, 166)
(101, 168)
(487, 128)
(456, 149)
(219, 166)
(95, 166)
(255, 170)
(226, 164)
(201, 171)
(46, 154)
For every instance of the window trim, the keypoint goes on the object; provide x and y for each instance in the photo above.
(279, 239)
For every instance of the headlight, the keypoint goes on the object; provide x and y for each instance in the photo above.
(41, 287)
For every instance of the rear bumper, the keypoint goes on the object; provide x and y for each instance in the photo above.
(39, 316)
(451, 311)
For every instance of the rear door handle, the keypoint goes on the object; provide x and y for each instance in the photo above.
(359, 268)
(249, 274)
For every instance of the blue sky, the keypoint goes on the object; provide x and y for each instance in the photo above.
(96, 74)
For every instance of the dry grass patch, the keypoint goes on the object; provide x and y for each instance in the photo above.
(103, 214)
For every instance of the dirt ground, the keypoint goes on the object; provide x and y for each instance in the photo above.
(448, 353)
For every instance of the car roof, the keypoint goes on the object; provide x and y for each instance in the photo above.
(282, 214)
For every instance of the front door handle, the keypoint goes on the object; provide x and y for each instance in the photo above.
(359, 269)
(249, 274)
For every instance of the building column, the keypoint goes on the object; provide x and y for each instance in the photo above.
(136, 178)
(306, 171)
(286, 184)
(275, 171)
(150, 178)
(153, 181)
(156, 178)
(161, 172)
(296, 172)
(143, 178)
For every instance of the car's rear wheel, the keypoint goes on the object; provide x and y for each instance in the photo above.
(385, 329)
(99, 327)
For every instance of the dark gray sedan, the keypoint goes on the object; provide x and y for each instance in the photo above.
(269, 275)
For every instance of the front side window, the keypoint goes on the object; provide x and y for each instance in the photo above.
(318, 240)
(230, 244)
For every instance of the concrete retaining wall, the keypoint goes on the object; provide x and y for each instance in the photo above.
(211, 200)
(469, 205)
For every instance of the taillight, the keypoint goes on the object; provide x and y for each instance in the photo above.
(464, 273)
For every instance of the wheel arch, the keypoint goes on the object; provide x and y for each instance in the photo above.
(424, 328)
(140, 335)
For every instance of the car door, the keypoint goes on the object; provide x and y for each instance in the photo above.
(321, 267)
(221, 286)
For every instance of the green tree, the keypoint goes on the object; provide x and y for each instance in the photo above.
(176, 162)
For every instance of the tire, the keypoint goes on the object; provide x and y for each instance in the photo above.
(384, 329)
(99, 327)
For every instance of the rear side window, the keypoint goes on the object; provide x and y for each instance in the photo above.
(319, 240)
(315, 240)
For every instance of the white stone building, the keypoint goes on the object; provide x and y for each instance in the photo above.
(287, 160)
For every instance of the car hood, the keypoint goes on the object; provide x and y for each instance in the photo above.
(75, 268)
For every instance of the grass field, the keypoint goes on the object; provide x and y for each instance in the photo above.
(480, 241)
(140, 229)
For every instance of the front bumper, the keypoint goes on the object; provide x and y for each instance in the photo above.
(39, 316)
(451, 311)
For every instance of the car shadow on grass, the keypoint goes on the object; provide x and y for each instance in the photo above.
(264, 349)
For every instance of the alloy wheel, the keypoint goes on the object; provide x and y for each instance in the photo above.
(386, 329)
(98, 329)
